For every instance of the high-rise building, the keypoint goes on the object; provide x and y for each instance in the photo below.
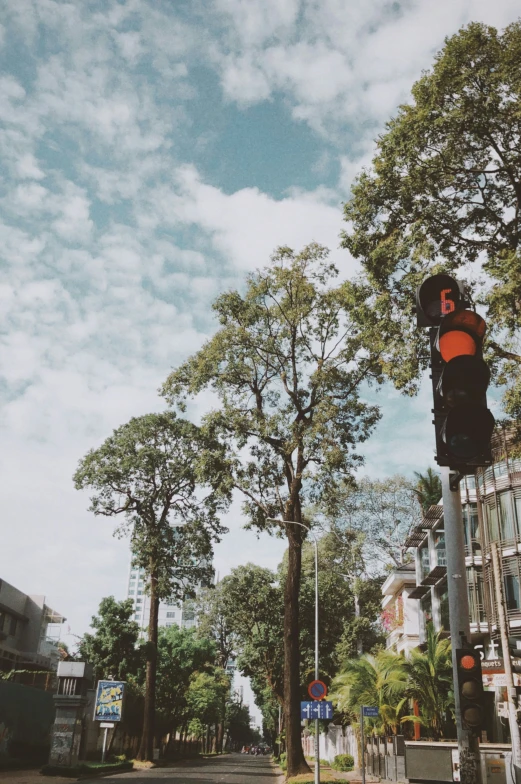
(180, 613)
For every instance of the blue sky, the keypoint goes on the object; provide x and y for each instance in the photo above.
(152, 154)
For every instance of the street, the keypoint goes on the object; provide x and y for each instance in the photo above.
(229, 769)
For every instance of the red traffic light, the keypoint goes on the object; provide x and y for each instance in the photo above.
(460, 333)
(470, 688)
(468, 661)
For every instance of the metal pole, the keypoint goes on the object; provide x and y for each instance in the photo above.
(317, 726)
(503, 628)
(362, 742)
(104, 745)
(459, 618)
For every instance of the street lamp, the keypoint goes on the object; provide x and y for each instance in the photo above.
(315, 542)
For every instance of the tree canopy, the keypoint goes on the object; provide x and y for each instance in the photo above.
(157, 471)
(444, 194)
(382, 512)
(113, 648)
(287, 365)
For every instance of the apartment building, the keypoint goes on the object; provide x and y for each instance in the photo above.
(416, 594)
(29, 631)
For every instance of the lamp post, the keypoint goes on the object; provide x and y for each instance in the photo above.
(317, 675)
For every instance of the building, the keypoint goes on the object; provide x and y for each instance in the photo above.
(179, 613)
(29, 631)
(491, 518)
(400, 616)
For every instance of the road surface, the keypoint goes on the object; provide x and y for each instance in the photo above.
(228, 769)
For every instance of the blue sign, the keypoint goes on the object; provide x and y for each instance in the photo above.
(316, 710)
(109, 701)
(369, 711)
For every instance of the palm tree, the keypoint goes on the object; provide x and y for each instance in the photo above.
(427, 488)
(378, 680)
(430, 682)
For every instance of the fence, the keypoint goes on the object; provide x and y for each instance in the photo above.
(26, 719)
(337, 740)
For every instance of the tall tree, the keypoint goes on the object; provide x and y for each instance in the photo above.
(113, 648)
(287, 365)
(444, 193)
(427, 488)
(154, 471)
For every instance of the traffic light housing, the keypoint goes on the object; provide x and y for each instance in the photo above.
(470, 689)
(460, 376)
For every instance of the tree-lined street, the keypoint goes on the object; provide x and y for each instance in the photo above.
(391, 583)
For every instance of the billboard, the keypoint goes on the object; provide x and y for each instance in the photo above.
(109, 701)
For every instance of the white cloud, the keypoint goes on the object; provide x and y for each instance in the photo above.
(115, 244)
(246, 226)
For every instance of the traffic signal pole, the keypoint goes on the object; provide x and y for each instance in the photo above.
(503, 629)
(459, 617)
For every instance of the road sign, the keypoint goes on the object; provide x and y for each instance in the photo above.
(319, 709)
(370, 712)
(317, 690)
(107, 725)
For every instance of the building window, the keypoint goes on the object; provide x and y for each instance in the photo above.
(2, 621)
(424, 560)
(170, 615)
(512, 595)
(492, 522)
(507, 517)
(500, 469)
(471, 482)
(140, 593)
(471, 523)
(439, 545)
(188, 615)
(12, 626)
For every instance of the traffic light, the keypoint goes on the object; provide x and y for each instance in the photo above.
(470, 688)
(460, 376)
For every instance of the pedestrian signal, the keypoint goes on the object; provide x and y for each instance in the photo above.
(438, 296)
(470, 688)
(460, 376)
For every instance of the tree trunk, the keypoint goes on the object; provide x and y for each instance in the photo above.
(295, 755)
(146, 748)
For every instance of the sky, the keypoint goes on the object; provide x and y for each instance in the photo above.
(153, 152)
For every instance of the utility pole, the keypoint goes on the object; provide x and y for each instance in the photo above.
(468, 743)
(503, 628)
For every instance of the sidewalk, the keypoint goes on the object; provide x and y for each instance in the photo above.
(31, 777)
